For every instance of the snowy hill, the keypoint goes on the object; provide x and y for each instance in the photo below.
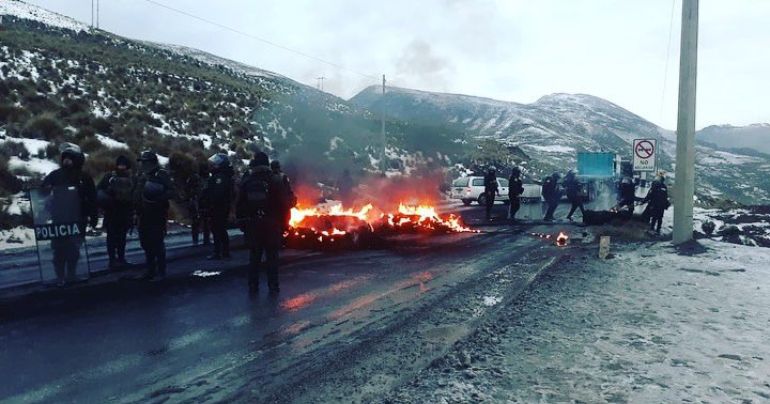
(63, 82)
(554, 128)
(756, 137)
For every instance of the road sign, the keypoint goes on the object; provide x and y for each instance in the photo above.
(645, 153)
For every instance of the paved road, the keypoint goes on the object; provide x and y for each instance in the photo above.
(348, 326)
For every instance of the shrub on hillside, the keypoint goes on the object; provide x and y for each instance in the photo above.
(44, 126)
(9, 149)
(9, 183)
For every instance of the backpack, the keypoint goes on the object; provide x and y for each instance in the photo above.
(289, 197)
(121, 188)
(256, 194)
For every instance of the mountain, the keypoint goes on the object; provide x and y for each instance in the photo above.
(61, 81)
(553, 129)
(756, 137)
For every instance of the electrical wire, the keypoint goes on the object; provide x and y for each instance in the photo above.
(668, 57)
(263, 40)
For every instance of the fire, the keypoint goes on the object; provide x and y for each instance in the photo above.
(562, 239)
(335, 223)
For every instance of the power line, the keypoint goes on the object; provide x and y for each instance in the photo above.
(668, 56)
(263, 40)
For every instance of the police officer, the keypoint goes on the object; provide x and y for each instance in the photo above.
(552, 194)
(515, 190)
(218, 193)
(657, 200)
(574, 195)
(196, 205)
(258, 211)
(490, 191)
(115, 194)
(66, 251)
(286, 190)
(627, 195)
(153, 193)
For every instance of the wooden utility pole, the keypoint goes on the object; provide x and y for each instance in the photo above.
(684, 182)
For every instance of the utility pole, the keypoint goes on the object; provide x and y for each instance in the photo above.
(92, 15)
(382, 129)
(684, 183)
(320, 84)
(97, 14)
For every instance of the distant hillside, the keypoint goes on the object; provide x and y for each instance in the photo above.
(552, 130)
(61, 82)
(756, 137)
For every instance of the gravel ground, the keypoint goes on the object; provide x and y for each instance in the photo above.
(649, 325)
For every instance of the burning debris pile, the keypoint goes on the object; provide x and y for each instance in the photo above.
(336, 227)
(559, 240)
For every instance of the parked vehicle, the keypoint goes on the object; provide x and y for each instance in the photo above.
(470, 189)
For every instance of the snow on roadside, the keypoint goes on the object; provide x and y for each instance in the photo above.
(647, 326)
(17, 237)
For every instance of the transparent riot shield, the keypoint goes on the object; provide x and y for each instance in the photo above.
(60, 234)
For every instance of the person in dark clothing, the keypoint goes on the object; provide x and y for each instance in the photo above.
(115, 193)
(258, 211)
(515, 190)
(288, 193)
(552, 194)
(154, 190)
(66, 251)
(574, 195)
(657, 200)
(196, 204)
(627, 195)
(491, 190)
(219, 194)
(345, 187)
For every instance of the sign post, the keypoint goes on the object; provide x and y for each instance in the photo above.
(645, 155)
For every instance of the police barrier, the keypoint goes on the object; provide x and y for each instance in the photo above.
(60, 234)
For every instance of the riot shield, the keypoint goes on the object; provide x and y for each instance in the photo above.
(60, 234)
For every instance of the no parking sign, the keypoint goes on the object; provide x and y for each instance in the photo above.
(645, 151)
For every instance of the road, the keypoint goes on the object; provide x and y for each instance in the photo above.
(346, 327)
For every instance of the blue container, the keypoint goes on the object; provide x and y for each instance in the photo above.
(596, 165)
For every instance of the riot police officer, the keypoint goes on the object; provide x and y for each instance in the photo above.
(153, 193)
(115, 194)
(490, 191)
(66, 251)
(199, 221)
(219, 193)
(258, 211)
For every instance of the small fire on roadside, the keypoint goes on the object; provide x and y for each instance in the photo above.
(562, 239)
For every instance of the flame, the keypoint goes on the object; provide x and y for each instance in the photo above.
(327, 224)
(562, 239)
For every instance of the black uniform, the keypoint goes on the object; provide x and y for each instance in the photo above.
(198, 216)
(657, 199)
(287, 194)
(115, 193)
(258, 210)
(627, 195)
(219, 195)
(490, 191)
(551, 194)
(573, 187)
(66, 251)
(154, 191)
(515, 190)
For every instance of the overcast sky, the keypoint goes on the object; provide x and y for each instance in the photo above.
(514, 50)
